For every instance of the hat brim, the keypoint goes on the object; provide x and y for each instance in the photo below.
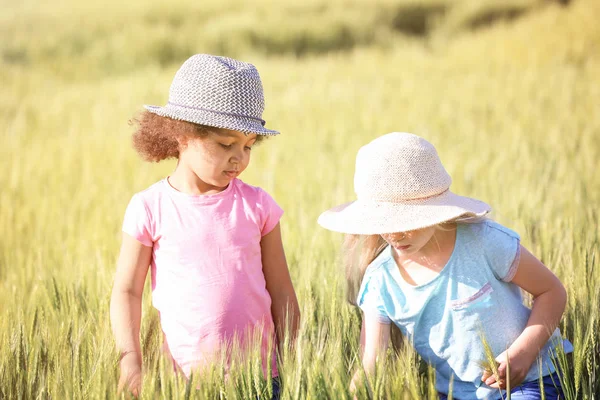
(375, 218)
(214, 119)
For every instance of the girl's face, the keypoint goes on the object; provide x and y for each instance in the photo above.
(411, 242)
(218, 158)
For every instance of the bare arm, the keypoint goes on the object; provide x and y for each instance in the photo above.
(284, 305)
(126, 308)
(375, 338)
(374, 341)
(549, 300)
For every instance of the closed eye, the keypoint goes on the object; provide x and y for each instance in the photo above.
(225, 146)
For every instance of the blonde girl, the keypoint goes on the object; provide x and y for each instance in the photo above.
(430, 263)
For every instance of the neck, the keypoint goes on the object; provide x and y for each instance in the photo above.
(186, 181)
(434, 255)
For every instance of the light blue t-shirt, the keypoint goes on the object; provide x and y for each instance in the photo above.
(445, 317)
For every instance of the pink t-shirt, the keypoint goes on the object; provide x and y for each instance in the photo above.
(207, 277)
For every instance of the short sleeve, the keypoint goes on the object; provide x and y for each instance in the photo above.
(270, 212)
(136, 222)
(502, 250)
(369, 298)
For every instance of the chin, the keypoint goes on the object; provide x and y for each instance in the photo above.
(407, 252)
(223, 183)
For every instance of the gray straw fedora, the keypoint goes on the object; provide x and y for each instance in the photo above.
(219, 92)
(401, 185)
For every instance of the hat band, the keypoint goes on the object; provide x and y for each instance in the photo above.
(262, 121)
(416, 199)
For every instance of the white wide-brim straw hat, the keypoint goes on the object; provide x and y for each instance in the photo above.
(401, 185)
(217, 91)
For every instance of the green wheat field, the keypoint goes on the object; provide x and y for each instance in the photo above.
(508, 91)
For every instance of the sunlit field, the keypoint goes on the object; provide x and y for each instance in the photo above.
(508, 92)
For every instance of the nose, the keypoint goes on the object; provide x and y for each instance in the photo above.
(396, 237)
(237, 157)
(399, 236)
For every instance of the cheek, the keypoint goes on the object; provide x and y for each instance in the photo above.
(213, 155)
(246, 159)
(425, 237)
(200, 159)
(387, 237)
(391, 238)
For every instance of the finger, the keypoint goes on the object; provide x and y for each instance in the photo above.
(516, 381)
(498, 385)
(491, 380)
(130, 385)
(134, 387)
(120, 387)
(502, 370)
(486, 374)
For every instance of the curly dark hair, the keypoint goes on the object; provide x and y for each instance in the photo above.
(156, 137)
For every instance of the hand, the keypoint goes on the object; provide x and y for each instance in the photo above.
(520, 363)
(131, 374)
(353, 382)
(357, 379)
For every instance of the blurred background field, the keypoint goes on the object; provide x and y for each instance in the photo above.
(508, 92)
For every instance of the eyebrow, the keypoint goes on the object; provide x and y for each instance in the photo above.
(232, 135)
(225, 133)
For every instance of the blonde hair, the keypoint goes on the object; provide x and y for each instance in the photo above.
(361, 250)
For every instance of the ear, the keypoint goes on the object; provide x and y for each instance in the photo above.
(182, 141)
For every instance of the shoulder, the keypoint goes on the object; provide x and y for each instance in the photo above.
(147, 197)
(370, 294)
(140, 220)
(151, 193)
(258, 204)
(494, 228)
(248, 190)
(378, 266)
(254, 194)
(498, 245)
(149, 201)
(487, 230)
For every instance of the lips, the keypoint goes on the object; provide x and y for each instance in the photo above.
(231, 174)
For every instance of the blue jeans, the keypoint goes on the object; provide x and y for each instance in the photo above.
(531, 390)
(276, 389)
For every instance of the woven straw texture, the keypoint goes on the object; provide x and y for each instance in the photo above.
(401, 185)
(219, 92)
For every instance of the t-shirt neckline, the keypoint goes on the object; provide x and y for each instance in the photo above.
(198, 198)
(398, 276)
